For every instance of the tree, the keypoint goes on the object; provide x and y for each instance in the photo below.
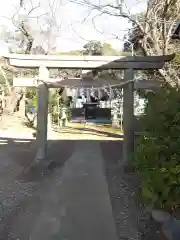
(157, 154)
(38, 50)
(22, 25)
(29, 25)
(33, 24)
(134, 36)
(93, 48)
(21, 38)
(153, 29)
(109, 50)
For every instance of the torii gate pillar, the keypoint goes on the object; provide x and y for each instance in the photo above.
(42, 114)
(128, 115)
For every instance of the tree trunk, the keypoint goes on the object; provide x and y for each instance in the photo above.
(29, 45)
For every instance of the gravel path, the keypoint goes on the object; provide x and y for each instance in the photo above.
(21, 192)
(133, 222)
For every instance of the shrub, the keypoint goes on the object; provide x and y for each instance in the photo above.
(157, 155)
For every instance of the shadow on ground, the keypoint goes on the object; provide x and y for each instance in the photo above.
(20, 188)
(23, 152)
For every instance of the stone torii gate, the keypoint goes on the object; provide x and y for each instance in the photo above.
(128, 64)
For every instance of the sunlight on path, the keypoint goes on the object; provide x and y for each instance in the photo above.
(15, 127)
(89, 132)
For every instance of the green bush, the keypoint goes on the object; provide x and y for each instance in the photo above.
(157, 155)
(31, 94)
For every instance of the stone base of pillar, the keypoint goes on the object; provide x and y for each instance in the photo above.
(39, 168)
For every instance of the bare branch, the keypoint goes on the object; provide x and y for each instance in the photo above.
(78, 34)
(104, 10)
(33, 9)
(87, 16)
(94, 24)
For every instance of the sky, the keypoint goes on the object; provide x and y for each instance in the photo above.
(75, 27)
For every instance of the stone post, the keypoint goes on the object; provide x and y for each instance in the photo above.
(128, 116)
